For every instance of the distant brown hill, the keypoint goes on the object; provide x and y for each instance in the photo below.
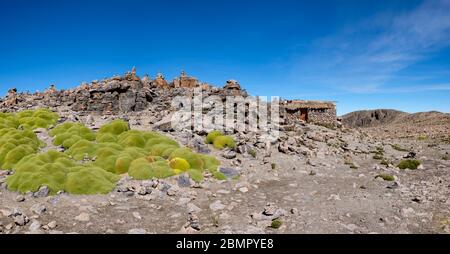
(372, 118)
(400, 123)
(377, 117)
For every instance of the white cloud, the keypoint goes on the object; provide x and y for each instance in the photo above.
(363, 58)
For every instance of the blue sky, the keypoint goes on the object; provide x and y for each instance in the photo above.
(363, 54)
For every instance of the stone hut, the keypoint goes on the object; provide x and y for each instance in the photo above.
(320, 112)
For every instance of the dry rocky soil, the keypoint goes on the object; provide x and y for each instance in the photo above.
(318, 180)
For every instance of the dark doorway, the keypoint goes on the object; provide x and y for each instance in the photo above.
(304, 114)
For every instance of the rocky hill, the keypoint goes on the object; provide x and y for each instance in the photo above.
(387, 123)
(371, 118)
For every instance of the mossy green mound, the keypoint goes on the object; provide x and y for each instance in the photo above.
(115, 127)
(82, 150)
(142, 169)
(17, 138)
(212, 136)
(195, 160)
(409, 164)
(113, 150)
(106, 138)
(16, 144)
(219, 140)
(180, 164)
(68, 134)
(90, 180)
(196, 175)
(8, 120)
(59, 173)
(116, 159)
(224, 141)
(40, 118)
(29, 119)
(386, 177)
(180, 160)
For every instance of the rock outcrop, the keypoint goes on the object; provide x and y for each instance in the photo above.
(127, 93)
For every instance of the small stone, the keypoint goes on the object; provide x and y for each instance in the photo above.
(191, 208)
(137, 231)
(173, 190)
(311, 163)
(185, 181)
(6, 213)
(229, 154)
(217, 205)
(20, 198)
(243, 189)
(35, 226)
(21, 220)
(407, 212)
(9, 226)
(270, 209)
(294, 211)
(52, 225)
(16, 211)
(394, 185)
(137, 215)
(42, 192)
(38, 209)
(83, 217)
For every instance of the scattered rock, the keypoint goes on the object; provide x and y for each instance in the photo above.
(21, 220)
(185, 181)
(137, 215)
(38, 209)
(137, 231)
(165, 124)
(20, 198)
(229, 172)
(229, 154)
(42, 192)
(217, 205)
(83, 217)
(52, 225)
(191, 208)
(173, 190)
(35, 226)
(270, 209)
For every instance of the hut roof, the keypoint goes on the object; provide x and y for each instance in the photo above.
(299, 104)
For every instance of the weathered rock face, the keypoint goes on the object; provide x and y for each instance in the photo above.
(185, 82)
(11, 98)
(160, 82)
(117, 94)
(233, 88)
